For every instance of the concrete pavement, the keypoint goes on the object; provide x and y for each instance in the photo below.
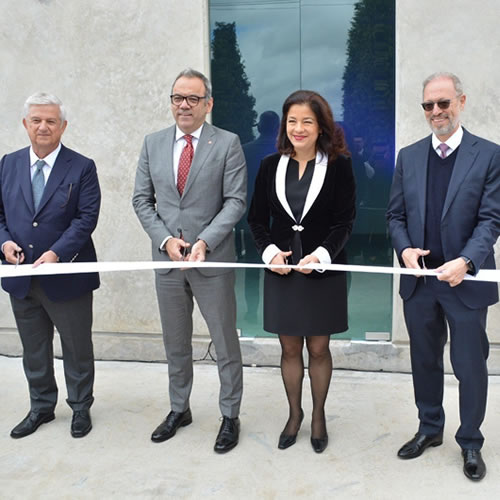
(369, 416)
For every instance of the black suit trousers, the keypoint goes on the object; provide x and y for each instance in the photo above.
(36, 315)
(432, 306)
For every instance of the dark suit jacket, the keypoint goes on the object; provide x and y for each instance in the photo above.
(328, 214)
(65, 219)
(470, 222)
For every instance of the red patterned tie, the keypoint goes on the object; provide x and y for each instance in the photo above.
(185, 163)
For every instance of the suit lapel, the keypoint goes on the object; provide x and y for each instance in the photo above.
(59, 171)
(421, 169)
(281, 183)
(206, 144)
(314, 189)
(24, 172)
(316, 182)
(466, 156)
(167, 152)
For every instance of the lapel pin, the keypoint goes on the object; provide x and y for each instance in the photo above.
(209, 142)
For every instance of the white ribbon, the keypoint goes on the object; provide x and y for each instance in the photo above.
(11, 271)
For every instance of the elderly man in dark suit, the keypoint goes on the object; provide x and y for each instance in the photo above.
(444, 214)
(49, 205)
(190, 191)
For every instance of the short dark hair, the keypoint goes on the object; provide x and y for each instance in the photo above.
(331, 140)
(192, 73)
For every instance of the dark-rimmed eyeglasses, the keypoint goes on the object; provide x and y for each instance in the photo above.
(192, 100)
(442, 104)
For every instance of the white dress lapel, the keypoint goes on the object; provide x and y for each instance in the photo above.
(316, 182)
(281, 182)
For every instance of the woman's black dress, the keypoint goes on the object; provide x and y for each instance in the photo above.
(295, 304)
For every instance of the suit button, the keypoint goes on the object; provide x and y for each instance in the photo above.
(35, 224)
(30, 245)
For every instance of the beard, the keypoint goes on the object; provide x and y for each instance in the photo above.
(445, 129)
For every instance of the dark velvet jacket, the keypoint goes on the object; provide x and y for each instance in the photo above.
(328, 214)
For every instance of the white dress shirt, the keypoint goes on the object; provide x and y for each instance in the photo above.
(179, 144)
(453, 142)
(49, 160)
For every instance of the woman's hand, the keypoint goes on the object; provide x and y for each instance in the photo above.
(281, 258)
(307, 260)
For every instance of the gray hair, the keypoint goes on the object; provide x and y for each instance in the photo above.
(43, 98)
(459, 89)
(192, 73)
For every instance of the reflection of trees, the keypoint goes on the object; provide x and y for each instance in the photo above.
(369, 73)
(233, 104)
(368, 103)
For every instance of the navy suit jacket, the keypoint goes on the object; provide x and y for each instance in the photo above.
(64, 221)
(470, 222)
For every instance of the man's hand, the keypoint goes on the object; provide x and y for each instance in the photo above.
(280, 258)
(176, 248)
(410, 257)
(198, 252)
(48, 257)
(452, 271)
(11, 250)
(307, 260)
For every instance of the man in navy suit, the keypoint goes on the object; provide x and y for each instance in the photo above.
(49, 205)
(444, 214)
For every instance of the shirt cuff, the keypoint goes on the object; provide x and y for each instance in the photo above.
(164, 242)
(323, 256)
(269, 253)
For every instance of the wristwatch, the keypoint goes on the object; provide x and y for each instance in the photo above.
(468, 262)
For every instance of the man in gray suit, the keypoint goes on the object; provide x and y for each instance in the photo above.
(190, 192)
(444, 214)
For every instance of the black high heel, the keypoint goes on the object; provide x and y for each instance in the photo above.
(319, 444)
(287, 440)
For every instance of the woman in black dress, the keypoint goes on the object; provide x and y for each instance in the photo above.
(302, 212)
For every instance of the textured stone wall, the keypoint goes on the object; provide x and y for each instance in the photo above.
(112, 64)
(460, 36)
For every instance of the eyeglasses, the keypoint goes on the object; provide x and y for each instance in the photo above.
(442, 104)
(192, 100)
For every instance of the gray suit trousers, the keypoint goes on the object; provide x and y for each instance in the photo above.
(36, 315)
(216, 300)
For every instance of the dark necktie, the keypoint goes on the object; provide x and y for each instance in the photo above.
(38, 183)
(185, 163)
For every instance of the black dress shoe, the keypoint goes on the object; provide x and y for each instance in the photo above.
(287, 440)
(81, 424)
(416, 446)
(228, 436)
(474, 466)
(319, 444)
(30, 424)
(169, 426)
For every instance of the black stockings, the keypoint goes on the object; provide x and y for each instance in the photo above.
(320, 372)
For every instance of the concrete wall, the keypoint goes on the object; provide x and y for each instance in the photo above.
(112, 64)
(456, 36)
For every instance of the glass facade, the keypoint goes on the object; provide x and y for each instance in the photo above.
(261, 51)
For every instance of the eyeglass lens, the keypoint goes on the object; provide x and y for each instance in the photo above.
(192, 100)
(429, 106)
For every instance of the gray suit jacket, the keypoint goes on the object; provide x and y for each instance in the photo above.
(214, 197)
(470, 223)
